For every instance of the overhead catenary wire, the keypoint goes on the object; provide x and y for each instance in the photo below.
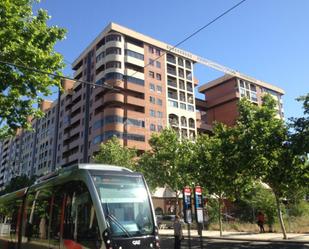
(194, 33)
(56, 75)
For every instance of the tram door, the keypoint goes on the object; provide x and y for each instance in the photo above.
(79, 225)
(61, 217)
(39, 220)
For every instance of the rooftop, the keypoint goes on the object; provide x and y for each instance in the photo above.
(227, 77)
(129, 32)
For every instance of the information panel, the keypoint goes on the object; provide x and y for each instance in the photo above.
(198, 204)
(187, 205)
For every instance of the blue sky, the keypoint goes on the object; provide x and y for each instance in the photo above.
(266, 39)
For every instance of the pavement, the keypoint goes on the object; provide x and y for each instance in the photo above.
(244, 236)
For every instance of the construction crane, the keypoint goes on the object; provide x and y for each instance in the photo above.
(223, 69)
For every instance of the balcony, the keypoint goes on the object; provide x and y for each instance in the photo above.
(135, 101)
(171, 70)
(172, 81)
(171, 58)
(172, 94)
(136, 74)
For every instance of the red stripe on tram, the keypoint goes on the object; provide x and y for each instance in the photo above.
(70, 244)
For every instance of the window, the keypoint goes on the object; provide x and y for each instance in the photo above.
(189, 87)
(100, 56)
(152, 87)
(170, 58)
(152, 99)
(190, 98)
(158, 76)
(113, 64)
(188, 64)
(152, 113)
(151, 74)
(151, 49)
(180, 62)
(171, 69)
(191, 123)
(134, 54)
(173, 103)
(10, 221)
(151, 62)
(183, 121)
(113, 37)
(159, 102)
(182, 96)
(134, 80)
(158, 64)
(160, 128)
(172, 93)
(182, 85)
(183, 106)
(152, 127)
(188, 75)
(184, 133)
(171, 81)
(160, 114)
(158, 52)
(181, 72)
(191, 108)
(159, 89)
(113, 50)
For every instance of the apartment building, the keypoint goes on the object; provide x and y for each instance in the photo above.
(152, 88)
(31, 152)
(10, 158)
(126, 85)
(222, 96)
(141, 87)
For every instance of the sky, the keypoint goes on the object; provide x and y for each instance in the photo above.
(265, 39)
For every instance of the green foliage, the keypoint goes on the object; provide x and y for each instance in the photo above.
(17, 183)
(113, 153)
(261, 199)
(266, 149)
(26, 40)
(298, 209)
(300, 127)
(168, 162)
(217, 159)
(212, 208)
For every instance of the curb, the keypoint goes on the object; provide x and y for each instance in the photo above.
(290, 241)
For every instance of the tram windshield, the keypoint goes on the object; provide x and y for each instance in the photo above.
(126, 204)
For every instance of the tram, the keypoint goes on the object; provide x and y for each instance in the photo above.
(87, 206)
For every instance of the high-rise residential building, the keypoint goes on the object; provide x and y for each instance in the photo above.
(152, 88)
(31, 152)
(126, 85)
(222, 96)
(10, 158)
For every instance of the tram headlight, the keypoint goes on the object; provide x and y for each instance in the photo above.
(157, 241)
(107, 239)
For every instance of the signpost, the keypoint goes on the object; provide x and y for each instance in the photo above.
(187, 210)
(199, 214)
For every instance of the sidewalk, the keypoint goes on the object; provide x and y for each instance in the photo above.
(274, 237)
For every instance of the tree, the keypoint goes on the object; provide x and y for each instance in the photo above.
(17, 183)
(217, 166)
(258, 198)
(267, 151)
(28, 41)
(113, 153)
(300, 129)
(168, 162)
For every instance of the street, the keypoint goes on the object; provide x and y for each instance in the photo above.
(167, 242)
